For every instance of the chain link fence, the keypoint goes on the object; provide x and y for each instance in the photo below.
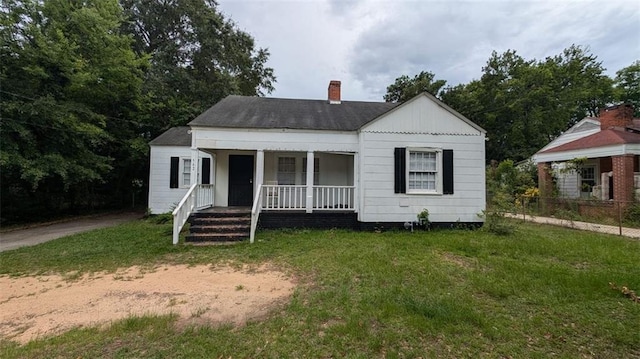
(623, 217)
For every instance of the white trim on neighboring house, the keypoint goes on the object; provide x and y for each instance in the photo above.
(571, 134)
(594, 152)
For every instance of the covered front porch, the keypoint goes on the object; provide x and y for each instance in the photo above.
(273, 181)
(284, 180)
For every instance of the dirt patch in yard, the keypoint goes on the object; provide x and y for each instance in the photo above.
(32, 307)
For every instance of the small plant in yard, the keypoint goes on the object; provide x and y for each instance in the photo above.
(160, 218)
(495, 220)
(423, 218)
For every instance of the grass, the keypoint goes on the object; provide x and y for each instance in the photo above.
(540, 292)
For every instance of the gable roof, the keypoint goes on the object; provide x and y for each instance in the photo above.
(600, 139)
(266, 113)
(586, 124)
(440, 104)
(175, 136)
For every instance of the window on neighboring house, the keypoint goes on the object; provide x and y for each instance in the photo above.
(186, 172)
(423, 170)
(316, 171)
(587, 178)
(286, 170)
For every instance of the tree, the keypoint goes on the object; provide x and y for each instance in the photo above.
(627, 84)
(524, 104)
(579, 82)
(198, 57)
(404, 88)
(70, 91)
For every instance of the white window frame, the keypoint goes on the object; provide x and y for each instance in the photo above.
(184, 170)
(581, 179)
(295, 161)
(438, 172)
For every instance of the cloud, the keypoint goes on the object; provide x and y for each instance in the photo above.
(454, 39)
(367, 44)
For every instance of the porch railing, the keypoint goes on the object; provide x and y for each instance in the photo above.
(294, 197)
(255, 213)
(284, 197)
(198, 196)
(333, 198)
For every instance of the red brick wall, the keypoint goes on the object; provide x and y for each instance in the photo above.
(616, 116)
(623, 178)
(545, 183)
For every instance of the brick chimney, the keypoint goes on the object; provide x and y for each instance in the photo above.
(618, 117)
(334, 92)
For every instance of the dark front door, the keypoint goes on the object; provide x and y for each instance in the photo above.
(240, 180)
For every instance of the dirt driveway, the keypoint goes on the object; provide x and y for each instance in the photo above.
(41, 306)
(42, 233)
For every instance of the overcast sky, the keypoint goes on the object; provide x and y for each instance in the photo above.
(368, 44)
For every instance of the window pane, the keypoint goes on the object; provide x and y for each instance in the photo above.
(422, 170)
(286, 170)
(186, 172)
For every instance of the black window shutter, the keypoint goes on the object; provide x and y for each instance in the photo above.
(400, 170)
(173, 178)
(206, 171)
(447, 171)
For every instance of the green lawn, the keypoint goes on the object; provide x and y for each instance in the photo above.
(541, 292)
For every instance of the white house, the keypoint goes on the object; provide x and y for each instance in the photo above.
(302, 162)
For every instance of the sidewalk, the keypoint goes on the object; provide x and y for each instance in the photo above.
(586, 226)
(39, 234)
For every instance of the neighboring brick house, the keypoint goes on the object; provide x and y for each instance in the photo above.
(611, 146)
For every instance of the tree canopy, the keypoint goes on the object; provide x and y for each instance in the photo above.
(198, 57)
(523, 104)
(627, 83)
(87, 83)
(404, 88)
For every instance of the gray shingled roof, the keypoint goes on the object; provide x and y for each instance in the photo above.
(264, 112)
(175, 136)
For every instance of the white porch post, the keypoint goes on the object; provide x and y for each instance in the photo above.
(356, 182)
(194, 166)
(259, 169)
(310, 166)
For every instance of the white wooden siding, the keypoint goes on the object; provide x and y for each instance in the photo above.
(163, 199)
(275, 140)
(379, 203)
(421, 115)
